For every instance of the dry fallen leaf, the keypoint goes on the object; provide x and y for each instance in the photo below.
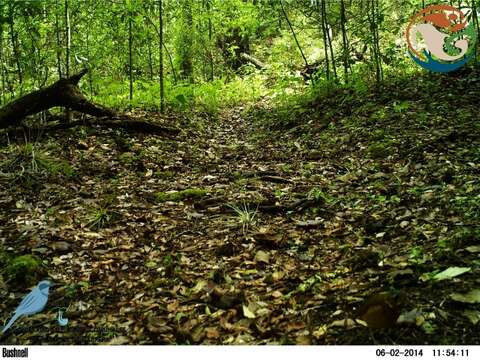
(262, 256)
(320, 332)
(345, 323)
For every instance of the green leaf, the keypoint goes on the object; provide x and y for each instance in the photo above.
(151, 264)
(472, 297)
(199, 286)
(428, 328)
(249, 314)
(472, 315)
(450, 273)
(473, 249)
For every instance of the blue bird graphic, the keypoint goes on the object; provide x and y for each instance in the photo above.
(31, 304)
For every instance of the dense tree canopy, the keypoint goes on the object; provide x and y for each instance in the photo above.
(202, 44)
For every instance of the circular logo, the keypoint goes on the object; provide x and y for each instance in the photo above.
(441, 38)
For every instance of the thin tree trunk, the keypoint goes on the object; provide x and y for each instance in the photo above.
(343, 21)
(169, 55)
(186, 55)
(68, 36)
(293, 33)
(150, 58)
(58, 51)
(160, 32)
(170, 59)
(2, 75)
(329, 38)
(475, 20)
(68, 114)
(377, 40)
(87, 45)
(375, 46)
(324, 34)
(130, 56)
(210, 36)
(15, 48)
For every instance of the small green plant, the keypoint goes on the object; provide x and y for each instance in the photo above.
(308, 169)
(100, 336)
(171, 264)
(246, 217)
(280, 194)
(417, 255)
(28, 161)
(319, 196)
(100, 218)
(378, 134)
(401, 106)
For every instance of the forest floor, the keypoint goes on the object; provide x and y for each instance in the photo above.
(255, 228)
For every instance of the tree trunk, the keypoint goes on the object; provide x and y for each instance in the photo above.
(343, 20)
(64, 92)
(186, 42)
(130, 56)
(160, 45)
(321, 10)
(293, 33)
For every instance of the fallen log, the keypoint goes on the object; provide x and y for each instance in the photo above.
(128, 124)
(64, 93)
(257, 63)
(125, 123)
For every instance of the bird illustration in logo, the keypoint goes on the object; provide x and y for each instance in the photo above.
(32, 303)
(447, 35)
(435, 39)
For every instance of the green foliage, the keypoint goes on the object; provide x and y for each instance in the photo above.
(203, 39)
(401, 106)
(207, 97)
(460, 238)
(468, 204)
(318, 195)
